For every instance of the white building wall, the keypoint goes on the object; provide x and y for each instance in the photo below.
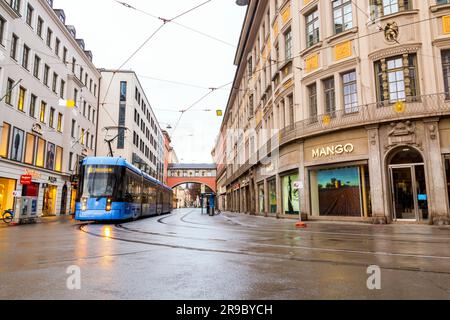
(16, 23)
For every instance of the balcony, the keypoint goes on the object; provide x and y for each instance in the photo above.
(434, 105)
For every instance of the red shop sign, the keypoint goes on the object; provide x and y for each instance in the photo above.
(26, 180)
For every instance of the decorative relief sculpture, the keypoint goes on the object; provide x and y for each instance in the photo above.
(402, 133)
(391, 32)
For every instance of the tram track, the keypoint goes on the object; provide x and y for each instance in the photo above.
(124, 231)
(405, 237)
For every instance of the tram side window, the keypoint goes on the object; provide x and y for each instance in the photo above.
(133, 189)
(145, 192)
(152, 195)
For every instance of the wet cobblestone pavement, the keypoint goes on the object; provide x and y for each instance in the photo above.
(187, 255)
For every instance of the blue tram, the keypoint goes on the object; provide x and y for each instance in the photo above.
(113, 189)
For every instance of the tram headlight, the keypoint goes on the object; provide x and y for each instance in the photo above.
(83, 204)
(108, 204)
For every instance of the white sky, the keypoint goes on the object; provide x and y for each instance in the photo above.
(113, 32)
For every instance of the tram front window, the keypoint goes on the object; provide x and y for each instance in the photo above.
(99, 181)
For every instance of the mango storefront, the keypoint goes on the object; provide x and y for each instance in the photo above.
(337, 175)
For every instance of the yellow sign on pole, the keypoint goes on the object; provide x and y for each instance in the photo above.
(219, 113)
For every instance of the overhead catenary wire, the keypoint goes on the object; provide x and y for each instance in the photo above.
(164, 22)
(177, 23)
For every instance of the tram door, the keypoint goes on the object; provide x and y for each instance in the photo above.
(408, 186)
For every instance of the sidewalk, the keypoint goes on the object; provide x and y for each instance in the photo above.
(42, 220)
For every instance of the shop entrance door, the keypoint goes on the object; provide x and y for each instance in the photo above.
(49, 204)
(409, 195)
(408, 186)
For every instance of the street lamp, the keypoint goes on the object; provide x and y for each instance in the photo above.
(242, 2)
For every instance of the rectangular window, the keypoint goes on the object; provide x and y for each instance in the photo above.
(350, 92)
(58, 159)
(60, 122)
(21, 101)
(288, 44)
(272, 184)
(8, 93)
(40, 27)
(343, 191)
(75, 97)
(402, 78)
(65, 55)
(25, 56)
(17, 145)
(29, 18)
(57, 45)
(49, 37)
(62, 89)
(40, 153)
(447, 170)
(55, 82)
(42, 112)
(290, 194)
(37, 66)
(29, 149)
(312, 94)
(74, 62)
(50, 156)
(4, 146)
(14, 44)
(72, 129)
(70, 161)
(446, 71)
(329, 94)
(51, 118)
(342, 15)
(46, 74)
(312, 28)
(82, 137)
(2, 30)
(32, 111)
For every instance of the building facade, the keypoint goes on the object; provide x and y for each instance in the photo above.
(48, 103)
(340, 110)
(129, 123)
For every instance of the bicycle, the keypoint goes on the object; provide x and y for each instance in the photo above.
(8, 216)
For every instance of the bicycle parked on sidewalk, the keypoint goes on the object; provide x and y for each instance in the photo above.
(8, 216)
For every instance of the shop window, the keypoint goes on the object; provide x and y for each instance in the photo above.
(4, 146)
(343, 191)
(50, 162)
(31, 190)
(273, 196)
(29, 149)
(291, 204)
(7, 187)
(40, 154)
(447, 170)
(17, 144)
(262, 206)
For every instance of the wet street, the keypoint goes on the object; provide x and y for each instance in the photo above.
(189, 256)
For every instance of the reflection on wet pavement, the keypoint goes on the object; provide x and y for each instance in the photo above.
(187, 255)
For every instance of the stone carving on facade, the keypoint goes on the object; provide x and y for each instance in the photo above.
(403, 133)
(433, 131)
(391, 31)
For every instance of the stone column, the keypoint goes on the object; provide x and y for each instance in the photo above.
(266, 198)
(380, 210)
(303, 178)
(436, 185)
(279, 196)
